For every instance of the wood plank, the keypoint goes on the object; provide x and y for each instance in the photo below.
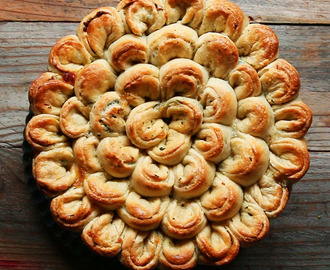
(272, 11)
(24, 53)
(295, 239)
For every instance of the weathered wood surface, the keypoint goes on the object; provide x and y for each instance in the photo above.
(299, 238)
(271, 11)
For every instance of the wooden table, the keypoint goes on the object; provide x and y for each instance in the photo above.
(299, 238)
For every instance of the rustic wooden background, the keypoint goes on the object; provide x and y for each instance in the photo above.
(298, 239)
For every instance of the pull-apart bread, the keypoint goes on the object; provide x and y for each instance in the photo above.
(168, 132)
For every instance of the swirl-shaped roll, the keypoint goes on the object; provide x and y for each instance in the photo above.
(217, 244)
(270, 195)
(93, 81)
(182, 77)
(193, 176)
(127, 51)
(73, 210)
(108, 115)
(223, 17)
(144, 126)
(190, 11)
(250, 224)
(117, 156)
(68, 56)
(138, 84)
(103, 235)
(280, 81)
(185, 114)
(183, 219)
(178, 254)
(43, 132)
(218, 53)
(223, 200)
(106, 191)
(244, 79)
(293, 119)
(74, 118)
(143, 213)
(151, 179)
(55, 170)
(48, 93)
(171, 150)
(258, 45)
(84, 150)
(141, 249)
(142, 16)
(249, 160)
(99, 29)
(219, 102)
(172, 41)
(213, 142)
(289, 158)
(255, 117)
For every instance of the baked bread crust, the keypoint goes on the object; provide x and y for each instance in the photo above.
(167, 132)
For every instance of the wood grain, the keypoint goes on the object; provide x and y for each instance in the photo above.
(298, 239)
(272, 11)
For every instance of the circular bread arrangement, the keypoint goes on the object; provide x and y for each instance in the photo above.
(168, 132)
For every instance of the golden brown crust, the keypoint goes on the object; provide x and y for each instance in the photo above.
(223, 17)
(178, 254)
(99, 29)
(138, 84)
(250, 224)
(143, 213)
(245, 81)
(43, 132)
(249, 161)
(48, 93)
(219, 102)
(172, 41)
(213, 142)
(172, 149)
(141, 249)
(93, 81)
(293, 119)
(289, 158)
(108, 115)
(280, 81)
(190, 11)
(117, 156)
(185, 114)
(55, 170)
(106, 191)
(218, 53)
(255, 117)
(142, 16)
(193, 176)
(74, 118)
(68, 56)
(127, 51)
(183, 219)
(73, 210)
(223, 200)
(151, 179)
(217, 244)
(84, 150)
(258, 45)
(103, 235)
(271, 196)
(182, 77)
(144, 126)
